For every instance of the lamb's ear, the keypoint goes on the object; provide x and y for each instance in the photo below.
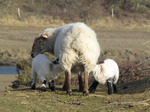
(51, 67)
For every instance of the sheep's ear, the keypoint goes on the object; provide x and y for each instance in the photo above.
(44, 35)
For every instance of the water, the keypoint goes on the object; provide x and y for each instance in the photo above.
(8, 70)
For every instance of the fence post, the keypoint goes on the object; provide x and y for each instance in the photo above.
(19, 15)
(112, 12)
(32, 2)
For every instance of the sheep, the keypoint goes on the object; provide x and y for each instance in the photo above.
(75, 45)
(44, 68)
(106, 72)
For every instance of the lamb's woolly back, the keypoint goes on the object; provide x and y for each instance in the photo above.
(43, 67)
(76, 43)
(103, 72)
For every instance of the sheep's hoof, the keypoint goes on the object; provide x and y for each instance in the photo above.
(43, 89)
(85, 93)
(33, 87)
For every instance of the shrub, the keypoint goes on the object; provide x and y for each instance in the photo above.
(24, 72)
(142, 9)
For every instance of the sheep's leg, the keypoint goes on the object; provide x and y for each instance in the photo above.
(110, 86)
(115, 88)
(65, 83)
(51, 85)
(80, 81)
(86, 76)
(68, 82)
(93, 86)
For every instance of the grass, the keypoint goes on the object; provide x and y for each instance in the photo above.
(124, 39)
(121, 45)
(26, 100)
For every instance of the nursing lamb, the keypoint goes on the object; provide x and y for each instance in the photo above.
(45, 70)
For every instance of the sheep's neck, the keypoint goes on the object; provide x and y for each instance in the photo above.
(51, 42)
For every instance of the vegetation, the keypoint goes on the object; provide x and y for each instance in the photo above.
(133, 97)
(123, 38)
(54, 12)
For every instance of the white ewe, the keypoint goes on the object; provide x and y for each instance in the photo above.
(106, 72)
(76, 46)
(45, 70)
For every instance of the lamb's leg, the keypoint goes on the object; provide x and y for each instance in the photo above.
(80, 81)
(51, 85)
(110, 86)
(68, 81)
(43, 86)
(33, 84)
(85, 89)
(93, 86)
(56, 61)
(115, 88)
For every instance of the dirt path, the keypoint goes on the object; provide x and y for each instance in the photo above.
(6, 81)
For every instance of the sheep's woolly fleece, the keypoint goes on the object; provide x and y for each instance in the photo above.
(75, 43)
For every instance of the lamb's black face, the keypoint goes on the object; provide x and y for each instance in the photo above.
(38, 46)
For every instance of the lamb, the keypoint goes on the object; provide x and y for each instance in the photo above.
(43, 67)
(75, 45)
(106, 72)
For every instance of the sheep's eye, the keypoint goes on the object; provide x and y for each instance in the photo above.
(40, 41)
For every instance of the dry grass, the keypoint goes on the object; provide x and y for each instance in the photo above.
(114, 23)
(30, 21)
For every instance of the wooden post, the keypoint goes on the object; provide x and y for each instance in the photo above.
(112, 12)
(32, 2)
(19, 15)
(138, 5)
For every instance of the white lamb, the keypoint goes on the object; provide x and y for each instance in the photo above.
(45, 70)
(106, 72)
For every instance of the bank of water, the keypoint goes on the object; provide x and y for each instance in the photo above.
(4, 70)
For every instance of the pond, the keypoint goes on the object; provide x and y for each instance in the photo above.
(5, 70)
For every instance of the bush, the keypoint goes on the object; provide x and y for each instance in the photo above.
(142, 9)
(24, 72)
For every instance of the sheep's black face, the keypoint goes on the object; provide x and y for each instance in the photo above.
(38, 46)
